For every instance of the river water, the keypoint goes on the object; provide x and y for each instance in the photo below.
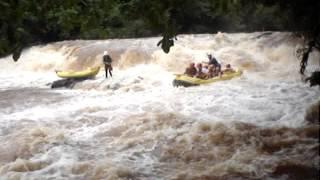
(136, 125)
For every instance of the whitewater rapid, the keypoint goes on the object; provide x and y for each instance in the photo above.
(136, 125)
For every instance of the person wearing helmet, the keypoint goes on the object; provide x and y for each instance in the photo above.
(107, 63)
(213, 61)
(199, 73)
(191, 70)
(228, 69)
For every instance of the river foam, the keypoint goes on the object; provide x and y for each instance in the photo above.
(136, 125)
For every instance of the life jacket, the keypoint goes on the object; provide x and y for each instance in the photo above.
(107, 59)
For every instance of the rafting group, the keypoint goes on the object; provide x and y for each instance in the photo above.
(195, 74)
(207, 70)
(205, 73)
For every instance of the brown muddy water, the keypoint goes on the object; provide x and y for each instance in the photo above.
(137, 126)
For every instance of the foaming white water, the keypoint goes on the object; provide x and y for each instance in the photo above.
(136, 125)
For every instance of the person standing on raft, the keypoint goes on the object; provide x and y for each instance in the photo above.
(213, 61)
(107, 63)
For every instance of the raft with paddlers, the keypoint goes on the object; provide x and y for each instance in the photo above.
(186, 81)
(88, 73)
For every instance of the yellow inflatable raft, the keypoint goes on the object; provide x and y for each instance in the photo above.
(184, 80)
(88, 73)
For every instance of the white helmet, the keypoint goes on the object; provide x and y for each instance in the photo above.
(105, 53)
